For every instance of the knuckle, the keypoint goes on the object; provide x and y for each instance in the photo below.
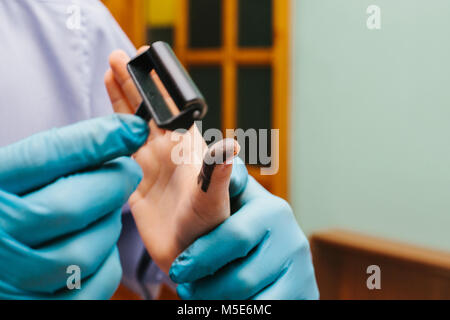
(285, 207)
(301, 247)
(279, 209)
(241, 239)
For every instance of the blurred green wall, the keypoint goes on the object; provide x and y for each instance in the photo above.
(371, 119)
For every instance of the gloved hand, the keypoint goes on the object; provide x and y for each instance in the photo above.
(61, 194)
(258, 253)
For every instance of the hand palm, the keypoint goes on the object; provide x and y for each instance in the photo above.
(169, 208)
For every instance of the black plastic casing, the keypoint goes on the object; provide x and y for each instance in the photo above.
(187, 97)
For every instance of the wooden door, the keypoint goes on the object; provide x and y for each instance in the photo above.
(238, 53)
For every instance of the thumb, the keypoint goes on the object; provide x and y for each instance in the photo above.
(214, 179)
(218, 166)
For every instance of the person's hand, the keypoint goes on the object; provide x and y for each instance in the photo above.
(171, 208)
(61, 194)
(258, 253)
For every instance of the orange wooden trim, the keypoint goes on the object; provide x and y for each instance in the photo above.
(229, 94)
(207, 57)
(254, 56)
(255, 172)
(240, 56)
(139, 23)
(281, 93)
(230, 20)
(181, 29)
(131, 17)
(229, 73)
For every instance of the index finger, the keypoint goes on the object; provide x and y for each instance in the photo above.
(118, 61)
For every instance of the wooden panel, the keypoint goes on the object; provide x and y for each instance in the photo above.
(244, 57)
(255, 23)
(209, 81)
(229, 76)
(265, 181)
(254, 110)
(341, 259)
(205, 24)
(281, 92)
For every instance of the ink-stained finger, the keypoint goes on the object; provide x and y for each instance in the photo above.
(118, 100)
(220, 154)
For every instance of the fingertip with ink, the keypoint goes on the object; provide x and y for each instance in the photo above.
(224, 151)
(219, 156)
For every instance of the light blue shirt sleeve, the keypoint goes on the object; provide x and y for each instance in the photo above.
(53, 57)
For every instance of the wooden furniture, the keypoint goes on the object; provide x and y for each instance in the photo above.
(341, 259)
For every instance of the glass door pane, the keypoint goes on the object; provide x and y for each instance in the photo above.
(205, 23)
(209, 81)
(255, 107)
(255, 23)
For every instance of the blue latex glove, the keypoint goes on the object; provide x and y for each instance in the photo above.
(258, 253)
(61, 194)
